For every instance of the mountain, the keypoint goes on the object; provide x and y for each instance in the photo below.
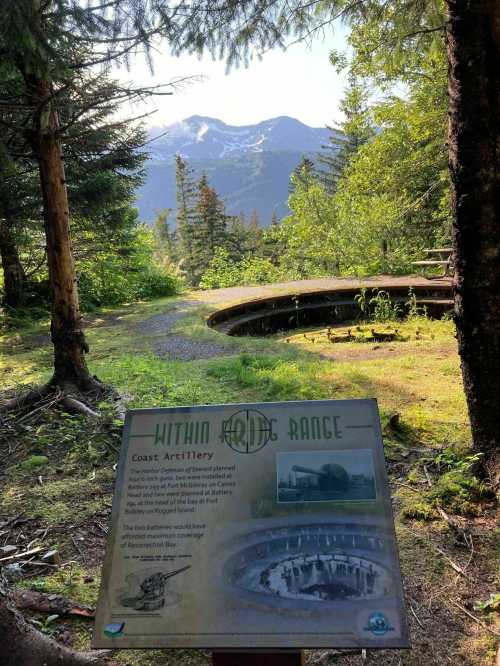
(249, 166)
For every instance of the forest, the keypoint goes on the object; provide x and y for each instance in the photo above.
(389, 174)
(370, 203)
(100, 312)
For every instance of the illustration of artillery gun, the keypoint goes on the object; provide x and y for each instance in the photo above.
(331, 477)
(147, 590)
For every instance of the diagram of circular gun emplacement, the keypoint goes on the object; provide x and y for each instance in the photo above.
(318, 564)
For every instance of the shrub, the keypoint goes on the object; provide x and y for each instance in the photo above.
(155, 283)
(419, 511)
(33, 462)
(221, 272)
(382, 308)
(126, 274)
(224, 272)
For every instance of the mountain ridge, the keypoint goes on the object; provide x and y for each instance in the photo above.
(249, 165)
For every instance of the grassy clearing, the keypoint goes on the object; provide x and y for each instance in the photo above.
(58, 469)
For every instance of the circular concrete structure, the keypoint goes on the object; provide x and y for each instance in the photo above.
(325, 302)
(317, 565)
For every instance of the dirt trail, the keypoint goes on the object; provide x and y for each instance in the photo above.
(177, 347)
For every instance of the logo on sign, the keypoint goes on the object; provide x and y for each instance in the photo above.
(114, 629)
(246, 431)
(378, 624)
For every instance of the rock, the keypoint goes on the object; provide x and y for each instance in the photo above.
(8, 550)
(51, 557)
(12, 572)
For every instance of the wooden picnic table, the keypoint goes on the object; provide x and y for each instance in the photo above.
(445, 259)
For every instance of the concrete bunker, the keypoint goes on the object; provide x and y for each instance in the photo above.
(326, 307)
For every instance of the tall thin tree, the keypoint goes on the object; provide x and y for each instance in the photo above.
(185, 216)
(348, 136)
(47, 44)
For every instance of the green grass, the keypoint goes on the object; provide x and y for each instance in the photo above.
(417, 378)
(73, 581)
(56, 501)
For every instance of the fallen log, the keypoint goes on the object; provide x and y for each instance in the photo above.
(53, 604)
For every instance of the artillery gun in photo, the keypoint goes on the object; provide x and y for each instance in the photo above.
(329, 478)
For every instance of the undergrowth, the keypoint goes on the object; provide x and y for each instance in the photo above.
(59, 468)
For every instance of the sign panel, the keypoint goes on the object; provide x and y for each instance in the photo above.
(252, 526)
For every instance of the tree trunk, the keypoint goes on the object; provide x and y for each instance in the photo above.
(70, 368)
(473, 45)
(22, 645)
(14, 279)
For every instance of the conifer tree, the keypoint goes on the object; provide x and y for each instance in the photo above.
(103, 167)
(47, 47)
(165, 239)
(186, 217)
(345, 140)
(303, 174)
(272, 244)
(242, 238)
(254, 219)
(254, 235)
(210, 230)
(237, 237)
(16, 188)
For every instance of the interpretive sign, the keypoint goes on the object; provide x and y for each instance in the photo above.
(262, 526)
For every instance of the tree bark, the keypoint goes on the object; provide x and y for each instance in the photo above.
(70, 368)
(473, 46)
(22, 644)
(14, 279)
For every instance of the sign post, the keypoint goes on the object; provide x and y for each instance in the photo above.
(283, 658)
(252, 527)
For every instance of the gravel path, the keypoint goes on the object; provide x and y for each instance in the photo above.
(178, 347)
(184, 349)
(163, 323)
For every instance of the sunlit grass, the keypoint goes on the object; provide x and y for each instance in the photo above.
(417, 377)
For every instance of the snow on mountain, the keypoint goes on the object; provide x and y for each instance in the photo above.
(200, 137)
(249, 166)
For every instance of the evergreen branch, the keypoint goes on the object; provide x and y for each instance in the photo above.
(424, 31)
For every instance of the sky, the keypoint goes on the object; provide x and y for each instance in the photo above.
(299, 82)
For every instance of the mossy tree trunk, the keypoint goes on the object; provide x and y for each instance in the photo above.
(70, 367)
(473, 45)
(14, 278)
(22, 645)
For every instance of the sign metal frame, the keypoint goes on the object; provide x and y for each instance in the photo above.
(326, 494)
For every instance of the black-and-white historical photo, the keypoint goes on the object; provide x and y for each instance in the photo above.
(322, 476)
